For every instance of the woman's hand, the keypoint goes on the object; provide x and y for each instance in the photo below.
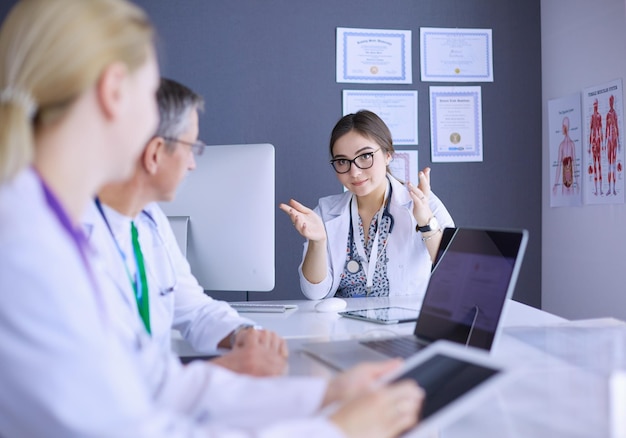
(381, 413)
(306, 221)
(420, 196)
(357, 380)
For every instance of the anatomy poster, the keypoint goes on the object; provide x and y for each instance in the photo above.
(565, 137)
(603, 115)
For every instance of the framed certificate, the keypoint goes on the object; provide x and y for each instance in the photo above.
(456, 55)
(374, 56)
(404, 166)
(398, 109)
(456, 124)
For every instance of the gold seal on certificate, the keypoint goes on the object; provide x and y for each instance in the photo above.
(455, 138)
(457, 70)
(374, 70)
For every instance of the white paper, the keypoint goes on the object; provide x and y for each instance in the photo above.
(603, 144)
(404, 166)
(456, 55)
(456, 124)
(374, 56)
(398, 109)
(565, 136)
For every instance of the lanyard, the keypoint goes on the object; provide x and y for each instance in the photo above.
(368, 264)
(77, 235)
(139, 283)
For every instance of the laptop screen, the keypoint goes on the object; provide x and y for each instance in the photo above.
(473, 276)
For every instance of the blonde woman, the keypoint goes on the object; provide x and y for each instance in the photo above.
(77, 105)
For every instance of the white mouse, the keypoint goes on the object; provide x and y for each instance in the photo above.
(331, 305)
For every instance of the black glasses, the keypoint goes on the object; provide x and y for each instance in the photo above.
(197, 147)
(363, 161)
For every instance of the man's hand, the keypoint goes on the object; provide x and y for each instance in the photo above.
(257, 353)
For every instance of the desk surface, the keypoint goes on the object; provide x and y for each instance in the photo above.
(307, 323)
(551, 395)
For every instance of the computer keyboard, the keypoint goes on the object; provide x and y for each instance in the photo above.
(262, 307)
(402, 346)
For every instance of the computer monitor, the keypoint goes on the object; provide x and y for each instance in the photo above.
(227, 204)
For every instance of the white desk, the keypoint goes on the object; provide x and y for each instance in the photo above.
(306, 323)
(553, 395)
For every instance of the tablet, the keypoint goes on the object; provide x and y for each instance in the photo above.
(383, 315)
(455, 379)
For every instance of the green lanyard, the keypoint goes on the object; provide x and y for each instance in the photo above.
(141, 283)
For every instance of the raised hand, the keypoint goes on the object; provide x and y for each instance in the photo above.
(420, 196)
(305, 220)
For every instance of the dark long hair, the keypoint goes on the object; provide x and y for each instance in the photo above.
(367, 124)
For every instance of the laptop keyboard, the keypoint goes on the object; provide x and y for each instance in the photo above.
(403, 346)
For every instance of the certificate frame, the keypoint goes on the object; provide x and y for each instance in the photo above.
(380, 56)
(456, 55)
(404, 166)
(456, 124)
(398, 109)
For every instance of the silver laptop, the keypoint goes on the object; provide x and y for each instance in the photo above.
(474, 275)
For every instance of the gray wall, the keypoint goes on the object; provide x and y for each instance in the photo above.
(583, 247)
(267, 72)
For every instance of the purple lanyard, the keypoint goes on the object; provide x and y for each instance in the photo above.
(76, 234)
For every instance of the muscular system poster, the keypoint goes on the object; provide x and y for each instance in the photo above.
(603, 114)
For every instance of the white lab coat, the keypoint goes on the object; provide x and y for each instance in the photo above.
(75, 361)
(202, 321)
(409, 263)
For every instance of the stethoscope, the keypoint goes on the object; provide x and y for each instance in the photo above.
(170, 285)
(353, 265)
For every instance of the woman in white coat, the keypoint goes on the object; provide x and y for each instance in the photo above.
(77, 104)
(380, 237)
